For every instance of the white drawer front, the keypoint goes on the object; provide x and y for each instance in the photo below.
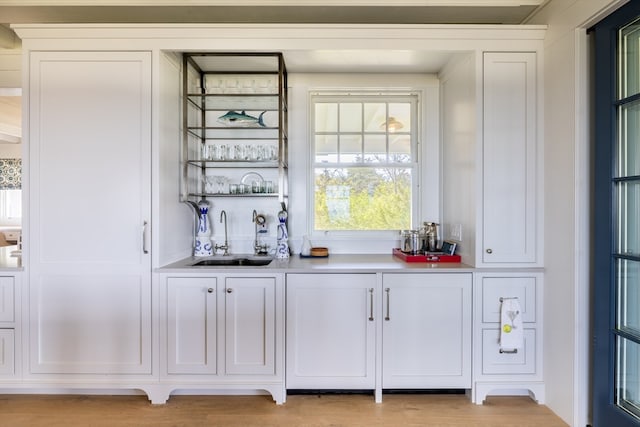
(7, 302)
(521, 362)
(494, 288)
(7, 350)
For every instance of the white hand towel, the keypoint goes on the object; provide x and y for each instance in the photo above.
(511, 333)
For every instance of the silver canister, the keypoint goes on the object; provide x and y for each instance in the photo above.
(429, 237)
(410, 242)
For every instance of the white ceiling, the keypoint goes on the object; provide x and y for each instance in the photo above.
(270, 11)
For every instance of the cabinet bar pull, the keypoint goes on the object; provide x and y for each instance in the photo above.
(514, 351)
(387, 290)
(371, 304)
(504, 298)
(144, 237)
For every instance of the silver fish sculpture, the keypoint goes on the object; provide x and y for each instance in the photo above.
(233, 118)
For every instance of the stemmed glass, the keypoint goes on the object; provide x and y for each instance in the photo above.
(221, 181)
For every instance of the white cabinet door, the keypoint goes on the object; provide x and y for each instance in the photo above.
(7, 352)
(426, 331)
(509, 185)
(331, 331)
(7, 299)
(89, 206)
(191, 325)
(250, 325)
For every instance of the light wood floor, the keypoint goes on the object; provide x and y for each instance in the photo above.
(245, 411)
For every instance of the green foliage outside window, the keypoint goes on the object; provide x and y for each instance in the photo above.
(362, 199)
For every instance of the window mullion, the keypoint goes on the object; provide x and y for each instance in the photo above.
(362, 153)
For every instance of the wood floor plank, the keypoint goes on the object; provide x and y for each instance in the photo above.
(249, 411)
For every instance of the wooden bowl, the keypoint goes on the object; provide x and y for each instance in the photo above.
(319, 251)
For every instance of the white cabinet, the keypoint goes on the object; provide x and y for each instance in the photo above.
(426, 331)
(518, 369)
(7, 299)
(89, 187)
(509, 232)
(7, 352)
(250, 318)
(192, 325)
(223, 331)
(331, 331)
(9, 324)
(334, 323)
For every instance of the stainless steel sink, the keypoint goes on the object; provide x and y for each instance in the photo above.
(221, 262)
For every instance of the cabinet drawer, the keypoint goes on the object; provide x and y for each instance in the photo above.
(494, 288)
(7, 350)
(7, 302)
(521, 362)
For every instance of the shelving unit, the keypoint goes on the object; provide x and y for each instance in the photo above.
(234, 123)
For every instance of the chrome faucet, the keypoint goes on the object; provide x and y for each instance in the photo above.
(258, 248)
(224, 247)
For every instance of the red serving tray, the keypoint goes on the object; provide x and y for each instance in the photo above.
(431, 257)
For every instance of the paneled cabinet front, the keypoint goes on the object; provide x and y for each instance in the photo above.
(223, 331)
(192, 319)
(426, 331)
(250, 325)
(89, 210)
(10, 326)
(331, 331)
(497, 369)
(510, 178)
(413, 328)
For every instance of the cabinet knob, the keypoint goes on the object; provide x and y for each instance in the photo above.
(489, 251)
(210, 290)
(229, 290)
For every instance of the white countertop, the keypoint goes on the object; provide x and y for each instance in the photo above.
(360, 263)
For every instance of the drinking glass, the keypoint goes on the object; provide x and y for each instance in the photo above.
(209, 184)
(220, 183)
(221, 152)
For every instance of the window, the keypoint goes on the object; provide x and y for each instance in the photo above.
(365, 162)
(10, 207)
(10, 192)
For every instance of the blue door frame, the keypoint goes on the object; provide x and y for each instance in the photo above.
(605, 412)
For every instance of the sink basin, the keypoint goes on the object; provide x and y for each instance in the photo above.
(249, 262)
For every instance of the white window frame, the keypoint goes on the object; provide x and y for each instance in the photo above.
(357, 96)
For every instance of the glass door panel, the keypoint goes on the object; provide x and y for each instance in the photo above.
(628, 378)
(626, 230)
(628, 152)
(628, 290)
(628, 217)
(629, 70)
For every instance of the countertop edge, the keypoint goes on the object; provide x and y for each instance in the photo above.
(359, 263)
